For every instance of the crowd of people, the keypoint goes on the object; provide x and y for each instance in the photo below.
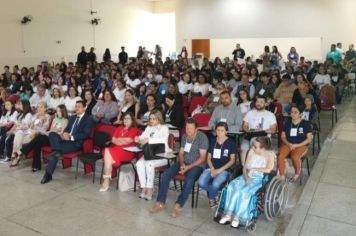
(59, 105)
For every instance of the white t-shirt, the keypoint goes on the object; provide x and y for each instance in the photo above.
(245, 107)
(9, 118)
(119, 94)
(201, 88)
(260, 119)
(184, 87)
(55, 102)
(133, 83)
(70, 103)
(321, 80)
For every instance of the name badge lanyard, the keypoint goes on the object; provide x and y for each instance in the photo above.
(216, 151)
(291, 127)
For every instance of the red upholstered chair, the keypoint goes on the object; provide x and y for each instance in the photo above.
(117, 168)
(101, 139)
(197, 100)
(327, 98)
(280, 121)
(202, 119)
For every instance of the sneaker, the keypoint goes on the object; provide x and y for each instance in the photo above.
(235, 223)
(142, 195)
(6, 160)
(148, 197)
(225, 220)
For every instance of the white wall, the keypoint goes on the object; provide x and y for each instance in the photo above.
(333, 21)
(123, 23)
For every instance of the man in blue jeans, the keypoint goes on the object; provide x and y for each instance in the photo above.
(192, 157)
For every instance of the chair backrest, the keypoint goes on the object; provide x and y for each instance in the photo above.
(197, 100)
(171, 141)
(101, 139)
(327, 97)
(279, 108)
(202, 119)
(351, 76)
(229, 89)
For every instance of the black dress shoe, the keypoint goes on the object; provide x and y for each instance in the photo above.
(46, 178)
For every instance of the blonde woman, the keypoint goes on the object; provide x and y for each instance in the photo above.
(156, 132)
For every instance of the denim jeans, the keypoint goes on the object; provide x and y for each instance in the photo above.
(191, 176)
(214, 187)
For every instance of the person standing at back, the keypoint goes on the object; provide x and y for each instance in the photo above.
(238, 53)
(82, 58)
(123, 56)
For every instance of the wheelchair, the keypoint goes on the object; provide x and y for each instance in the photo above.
(271, 199)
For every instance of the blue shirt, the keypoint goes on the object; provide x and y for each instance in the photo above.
(296, 134)
(227, 149)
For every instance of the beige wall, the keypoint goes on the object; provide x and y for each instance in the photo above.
(332, 21)
(124, 23)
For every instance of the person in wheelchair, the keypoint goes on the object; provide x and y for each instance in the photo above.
(296, 135)
(221, 157)
(238, 200)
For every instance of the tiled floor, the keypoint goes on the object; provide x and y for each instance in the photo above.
(67, 206)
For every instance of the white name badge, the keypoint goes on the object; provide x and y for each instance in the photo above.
(293, 132)
(262, 91)
(216, 99)
(187, 147)
(223, 120)
(217, 153)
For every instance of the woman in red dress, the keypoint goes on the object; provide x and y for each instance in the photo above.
(123, 137)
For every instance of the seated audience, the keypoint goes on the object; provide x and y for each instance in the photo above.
(257, 120)
(39, 96)
(56, 99)
(8, 119)
(174, 113)
(284, 93)
(321, 79)
(296, 136)
(214, 99)
(40, 140)
(146, 109)
(105, 110)
(71, 100)
(89, 101)
(155, 133)
(237, 201)
(244, 102)
(201, 87)
(78, 129)
(191, 163)
(221, 157)
(123, 137)
(244, 84)
(129, 105)
(39, 125)
(310, 112)
(226, 112)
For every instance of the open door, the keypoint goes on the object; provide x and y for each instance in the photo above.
(201, 46)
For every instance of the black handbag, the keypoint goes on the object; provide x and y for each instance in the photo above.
(150, 151)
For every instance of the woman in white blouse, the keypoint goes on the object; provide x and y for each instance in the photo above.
(71, 100)
(56, 99)
(39, 124)
(119, 91)
(61, 86)
(184, 84)
(22, 125)
(6, 122)
(244, 102)
(201, 87)
(155, 133)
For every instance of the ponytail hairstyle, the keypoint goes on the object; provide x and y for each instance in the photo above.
(265, 142)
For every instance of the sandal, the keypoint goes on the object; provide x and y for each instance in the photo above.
(15, 158)
(212, 203)
(225, 220)
(103, 189)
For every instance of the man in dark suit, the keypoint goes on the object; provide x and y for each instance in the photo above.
(82, 58)
(78, 129)
(123, 56)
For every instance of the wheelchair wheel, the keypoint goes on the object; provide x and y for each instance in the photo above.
(276, 198)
